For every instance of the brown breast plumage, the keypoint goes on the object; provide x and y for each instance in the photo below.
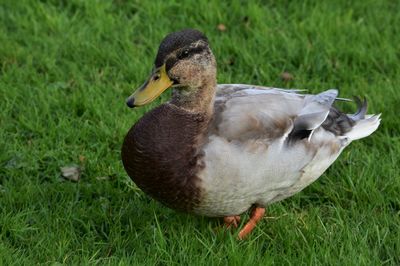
(161, 155)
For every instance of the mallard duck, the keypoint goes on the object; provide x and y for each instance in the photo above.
(221, 150)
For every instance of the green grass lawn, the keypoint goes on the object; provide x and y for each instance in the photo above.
(66, 68)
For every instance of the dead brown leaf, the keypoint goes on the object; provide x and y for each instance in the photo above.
(221, 27)
(82, 158)
(286, 77)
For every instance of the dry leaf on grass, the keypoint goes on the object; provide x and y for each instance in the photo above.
(286, 76)
(221, 27)
(72, 172)
(82, 158)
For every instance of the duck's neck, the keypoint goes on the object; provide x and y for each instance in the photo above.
(196, 100)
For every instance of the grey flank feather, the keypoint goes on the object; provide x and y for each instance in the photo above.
(315, 110)
(313, 114)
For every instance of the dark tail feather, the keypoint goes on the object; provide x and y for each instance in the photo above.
(361, 109)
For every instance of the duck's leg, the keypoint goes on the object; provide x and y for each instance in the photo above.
(256, 215)
(232, 221)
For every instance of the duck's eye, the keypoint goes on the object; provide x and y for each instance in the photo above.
(183, 54)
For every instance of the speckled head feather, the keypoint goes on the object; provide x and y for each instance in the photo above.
(177, 40)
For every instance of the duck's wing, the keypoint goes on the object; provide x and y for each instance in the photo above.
(243, 112)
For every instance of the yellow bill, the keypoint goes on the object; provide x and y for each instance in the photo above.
(151, 89)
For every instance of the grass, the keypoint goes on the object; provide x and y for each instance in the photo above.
(66, 69)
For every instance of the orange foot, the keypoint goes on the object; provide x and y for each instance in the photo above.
(256, 215)
(232, 221)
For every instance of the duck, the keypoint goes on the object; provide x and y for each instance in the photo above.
(221, 150)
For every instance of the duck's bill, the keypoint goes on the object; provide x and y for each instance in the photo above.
(151, 89)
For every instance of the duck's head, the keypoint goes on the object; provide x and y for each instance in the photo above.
(184, 62)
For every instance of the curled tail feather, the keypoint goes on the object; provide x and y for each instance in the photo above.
(361, 109)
